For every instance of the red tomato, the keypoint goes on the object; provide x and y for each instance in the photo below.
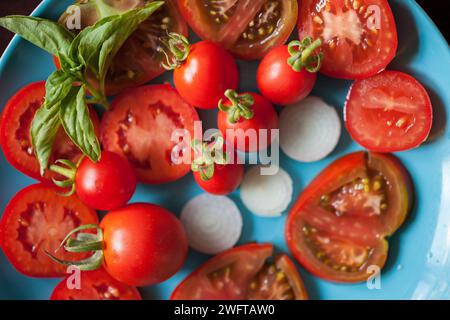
(138, 61)
(140, 126)
(95, 285)
(106, 185)
(388, 112)
(15, 137)
(205, 75)
(36, 220)
(247, 28)
(243, 273)
(279, 83)
(245, 134)
(339, 225)
(144, 244)
(360, 36)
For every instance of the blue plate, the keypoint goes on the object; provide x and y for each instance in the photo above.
(419, 258)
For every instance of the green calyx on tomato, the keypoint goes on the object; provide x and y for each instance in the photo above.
(304, 55)
(241, 106)
(177, 49)
(209, 154)
(67, 169)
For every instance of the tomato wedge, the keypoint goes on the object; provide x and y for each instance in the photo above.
(15, 137)
(339, 225)
(389, 112)
(36, 220)
(139, 60)
(247, 28)
(140, 126)
(243, 273)
(360, 36)
(95, 285)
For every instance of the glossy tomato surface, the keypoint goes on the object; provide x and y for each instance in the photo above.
(243, 273)
(339, 226)
(35, 221)
(227, 178)
(360, 36)
(247, 28)
(388, 112)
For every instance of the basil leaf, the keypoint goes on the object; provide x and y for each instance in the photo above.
(44, 127)
(75, 118)
(46, 34)
(57, 87)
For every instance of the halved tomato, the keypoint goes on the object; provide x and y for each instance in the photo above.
(360, 36)
(140, 126)
(139, 60)
(388, 112)
(36, 220)
(247, 28)
(95, 285)
(339, 225)
(15, 139)
(244, 273)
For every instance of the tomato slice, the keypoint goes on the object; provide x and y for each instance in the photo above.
(247, 28)
(138, 61)
(360, 36)
(243, 273)
(339, 225)
(15, 137)
(36, 220)
(389, 112)
(96, 285)
(140, 127)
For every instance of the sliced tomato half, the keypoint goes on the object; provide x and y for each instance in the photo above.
(15, 139)
(339, 225)
(95, 285)
(360, 36)
(244, 273)
(36, 221)
(141, 126)
(247, 28)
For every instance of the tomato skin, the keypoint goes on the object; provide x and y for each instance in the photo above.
(106, 185)
(265, 118)
(203, 78)
(279, 83)
(96, 285)
(227, 178)
(144, 244)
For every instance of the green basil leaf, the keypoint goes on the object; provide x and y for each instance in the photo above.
(75, 118)
(46, 34)
(57, 87)
(44, 127)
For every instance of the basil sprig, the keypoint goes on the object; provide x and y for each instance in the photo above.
(91, 52)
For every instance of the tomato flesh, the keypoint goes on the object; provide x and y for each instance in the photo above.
(389, 112)
(247, 28)
(95, 285)
(360, 36)
(140, 127)
(35, 221)
(243, 273)
(339, 225)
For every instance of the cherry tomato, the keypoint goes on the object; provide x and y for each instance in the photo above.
(15, 139)
(35, 221)
(389, 112)
(338, 228)
(140, 126)
(138, 61)
(205, 75)
(247, 28)
(243, 273)
(359, 36)
(243, 118)
(95, 285)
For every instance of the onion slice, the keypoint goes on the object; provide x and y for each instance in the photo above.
(212, 223)
(309, 130)
(266, 195)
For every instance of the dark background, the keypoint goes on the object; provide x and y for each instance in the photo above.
(437, 9)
